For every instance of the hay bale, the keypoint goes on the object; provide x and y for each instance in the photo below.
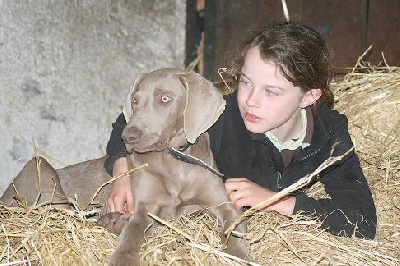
(371, 100)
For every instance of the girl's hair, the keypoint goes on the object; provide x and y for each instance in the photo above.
(299, 52)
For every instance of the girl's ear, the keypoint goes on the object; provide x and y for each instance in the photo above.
(310, 97)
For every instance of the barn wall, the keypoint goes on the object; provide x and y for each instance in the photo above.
(66, 66)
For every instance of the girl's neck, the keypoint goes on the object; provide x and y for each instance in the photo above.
(292, 129)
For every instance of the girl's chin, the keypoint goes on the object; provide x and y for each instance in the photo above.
(254, 128)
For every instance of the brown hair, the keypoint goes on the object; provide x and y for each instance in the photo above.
(299, 52)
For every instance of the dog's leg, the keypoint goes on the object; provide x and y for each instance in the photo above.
(224, 211)
(37, 182)
(226, 215)
(82, 182)
(131, 239)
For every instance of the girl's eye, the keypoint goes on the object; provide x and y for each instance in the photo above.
(165, 99)
(271, 93)
(246, 83)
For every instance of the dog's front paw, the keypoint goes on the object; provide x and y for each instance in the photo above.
(237, 247)
(112, 221)
(125, 258)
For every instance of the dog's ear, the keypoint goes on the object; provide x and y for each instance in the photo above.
(204, 104)
(127, 109)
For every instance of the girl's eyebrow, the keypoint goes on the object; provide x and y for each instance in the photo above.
(266, 86)
(243, 74)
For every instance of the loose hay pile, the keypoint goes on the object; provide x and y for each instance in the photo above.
(43, 236)
(371, 100)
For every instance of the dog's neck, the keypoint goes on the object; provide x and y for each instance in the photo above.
(180, 142)
(184, 147)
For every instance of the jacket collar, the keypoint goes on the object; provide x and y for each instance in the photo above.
(320, 131)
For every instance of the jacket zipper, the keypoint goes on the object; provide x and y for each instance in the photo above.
(279, 180)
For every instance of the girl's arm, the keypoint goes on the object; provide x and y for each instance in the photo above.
(115, 146)
(349, 210)
(120, 198)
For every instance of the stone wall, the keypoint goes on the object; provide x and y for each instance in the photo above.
(66, 67)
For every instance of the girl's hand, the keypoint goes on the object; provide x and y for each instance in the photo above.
(242, 192)
(120, 198)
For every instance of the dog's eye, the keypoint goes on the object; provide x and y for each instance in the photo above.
(134, 100)
(165, 99)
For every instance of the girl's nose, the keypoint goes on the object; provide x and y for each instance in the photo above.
(253, 99)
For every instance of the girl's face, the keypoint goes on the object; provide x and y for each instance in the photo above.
(268, 101)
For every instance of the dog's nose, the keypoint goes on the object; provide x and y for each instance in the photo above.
(131, 135)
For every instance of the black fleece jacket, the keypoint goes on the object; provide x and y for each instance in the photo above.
(350, 210)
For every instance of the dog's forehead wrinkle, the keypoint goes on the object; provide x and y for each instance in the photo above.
(162, 75)
(162, 90)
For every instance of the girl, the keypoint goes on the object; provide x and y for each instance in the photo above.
(276, 128)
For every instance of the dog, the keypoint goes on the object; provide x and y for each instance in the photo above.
(167, 108)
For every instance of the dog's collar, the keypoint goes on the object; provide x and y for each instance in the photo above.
(179, 155)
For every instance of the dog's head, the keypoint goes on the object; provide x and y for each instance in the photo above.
(169, 107)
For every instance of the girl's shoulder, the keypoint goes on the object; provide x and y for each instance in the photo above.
(332, 127)
(331, 118)
(231, 101)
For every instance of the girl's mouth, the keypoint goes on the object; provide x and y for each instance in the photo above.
(251, 118)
